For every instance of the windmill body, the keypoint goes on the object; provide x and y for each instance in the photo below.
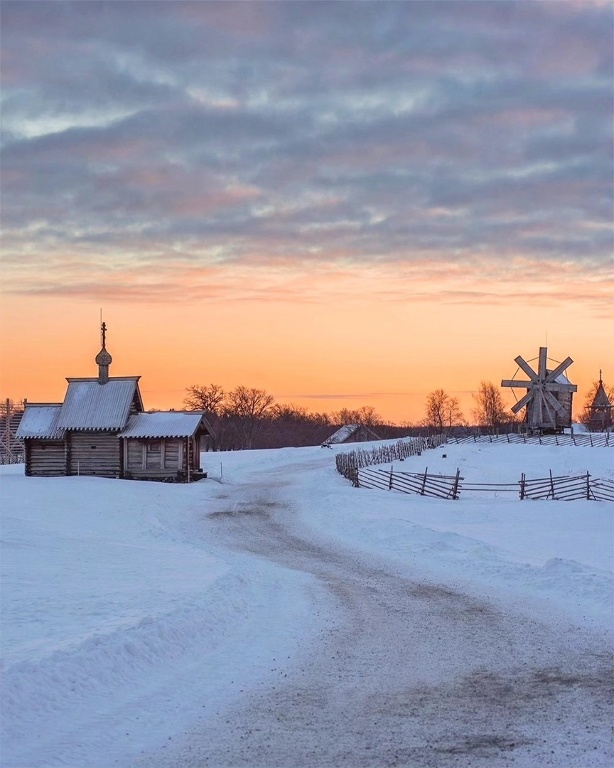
(549, 393)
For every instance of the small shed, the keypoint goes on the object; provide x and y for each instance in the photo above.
(164, 445)
(351, 433)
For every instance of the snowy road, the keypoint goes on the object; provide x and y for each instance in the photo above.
(406, 672)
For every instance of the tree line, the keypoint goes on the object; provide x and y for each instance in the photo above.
(247, 417)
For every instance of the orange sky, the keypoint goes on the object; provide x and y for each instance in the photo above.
(326, 338)
(343, 204)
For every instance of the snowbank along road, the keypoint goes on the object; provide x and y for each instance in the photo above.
(406, 672)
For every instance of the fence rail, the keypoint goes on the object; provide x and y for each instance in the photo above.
(593, 439)
(440, 486)
(602, 490)
(563, 488)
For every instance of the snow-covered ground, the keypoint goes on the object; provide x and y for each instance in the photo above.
(123, 621)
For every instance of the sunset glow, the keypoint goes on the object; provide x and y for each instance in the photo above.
(344, 204)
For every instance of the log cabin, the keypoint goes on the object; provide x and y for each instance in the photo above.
(101, 429)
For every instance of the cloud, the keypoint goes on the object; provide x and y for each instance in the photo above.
(170, 278)
(304, 133)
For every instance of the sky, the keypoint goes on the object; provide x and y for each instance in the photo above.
(343, 203)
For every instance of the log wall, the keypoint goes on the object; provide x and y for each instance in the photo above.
(94, 453)
(45, 458)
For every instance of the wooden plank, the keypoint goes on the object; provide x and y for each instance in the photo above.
(94, 453)
(46, 458)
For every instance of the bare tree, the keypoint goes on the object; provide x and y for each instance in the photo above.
(208, 398)
(453, 414)
(247, 406)
(435, 409)
(490, 410)
(442, 411)
(366, 415)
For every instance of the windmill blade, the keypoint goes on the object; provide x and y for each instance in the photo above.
(559, 369)
(552, 401)
(542, 368)
(523, 401)
(516, 384)
(526, 368)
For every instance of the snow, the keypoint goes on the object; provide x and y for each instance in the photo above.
(124, 620)
(40, 420)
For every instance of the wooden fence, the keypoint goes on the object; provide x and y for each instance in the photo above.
(440, 486)
(451, 486)
(567, 488)
(593, 439)
(349, 463)
(602, 490)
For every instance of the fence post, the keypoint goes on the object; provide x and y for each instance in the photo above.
(455, 488)
(522, 482)
(391, 478)
(591, 439)
(424, 482)
(551, 484)
(588, 486)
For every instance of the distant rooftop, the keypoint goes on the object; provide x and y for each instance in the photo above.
(164, 424)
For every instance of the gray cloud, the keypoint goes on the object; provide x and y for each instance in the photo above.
(375, 130)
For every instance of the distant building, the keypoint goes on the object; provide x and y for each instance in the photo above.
(548, 394)
(351, 433)
(101, 429)
(600, 410)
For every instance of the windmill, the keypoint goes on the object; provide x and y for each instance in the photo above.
(548, 396)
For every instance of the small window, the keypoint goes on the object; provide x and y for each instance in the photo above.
(93, 447)
(154, 447)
